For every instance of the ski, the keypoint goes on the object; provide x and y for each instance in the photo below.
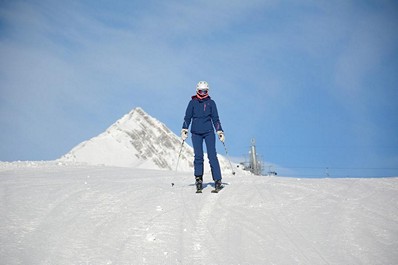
(198, 191)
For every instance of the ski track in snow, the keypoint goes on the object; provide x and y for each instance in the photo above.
(69, 214)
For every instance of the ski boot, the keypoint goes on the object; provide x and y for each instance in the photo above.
(198, 184)
(217, 186)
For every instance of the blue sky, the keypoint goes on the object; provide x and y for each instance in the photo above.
(314, 82)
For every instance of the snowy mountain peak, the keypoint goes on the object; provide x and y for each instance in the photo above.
(135, 140)
(138, 140)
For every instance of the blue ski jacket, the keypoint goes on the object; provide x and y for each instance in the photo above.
(203, 114)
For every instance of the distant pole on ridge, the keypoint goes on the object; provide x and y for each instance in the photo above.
(255, 167)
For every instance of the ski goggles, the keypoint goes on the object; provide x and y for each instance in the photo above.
(203, 91)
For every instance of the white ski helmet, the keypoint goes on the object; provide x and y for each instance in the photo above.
(202, 85)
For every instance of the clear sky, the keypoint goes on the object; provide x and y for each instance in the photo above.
(314, 82)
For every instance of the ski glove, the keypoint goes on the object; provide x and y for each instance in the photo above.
(184, 134)
(221, 136)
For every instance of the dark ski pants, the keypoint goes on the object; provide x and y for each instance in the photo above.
(210, 140)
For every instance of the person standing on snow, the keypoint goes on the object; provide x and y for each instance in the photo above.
(202, 111)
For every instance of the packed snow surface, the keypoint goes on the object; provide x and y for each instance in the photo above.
(53, 213)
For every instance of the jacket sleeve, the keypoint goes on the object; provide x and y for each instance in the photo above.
(215, 118)
(188, 116)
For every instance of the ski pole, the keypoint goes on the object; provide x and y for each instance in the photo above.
(179, 155)
(226, 152)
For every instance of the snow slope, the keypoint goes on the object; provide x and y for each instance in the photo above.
(67, 214)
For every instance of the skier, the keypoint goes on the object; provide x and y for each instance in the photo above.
(202, 111)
